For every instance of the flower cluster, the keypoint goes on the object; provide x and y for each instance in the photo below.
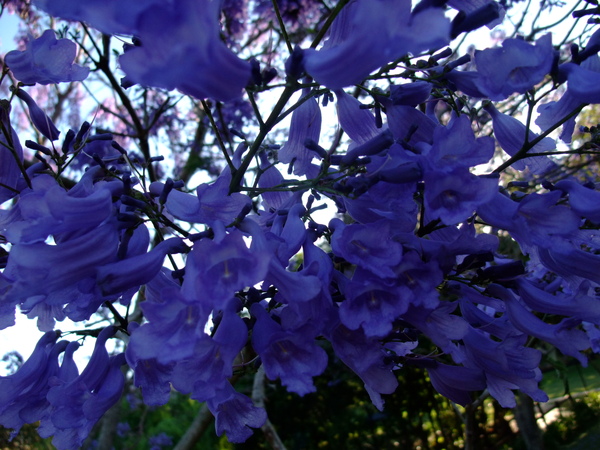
(409, 261)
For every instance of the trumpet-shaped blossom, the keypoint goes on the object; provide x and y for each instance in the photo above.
(42, 122)
(23, 393)
(289, 355)
(46, 60)
(455, 146)
(180, 44)
(206, 371)
(77, 404)
(11, 155)
(516, 66)
(305, 126)
(212, 202)
(584, 201)
(363, 245)
(453, 197)
(366, 357)
(358, 123)
(368, 34)
(186, 54)
(235, 414)
(512, 136)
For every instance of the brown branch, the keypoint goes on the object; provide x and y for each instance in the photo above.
(258, 397)
(195, 431)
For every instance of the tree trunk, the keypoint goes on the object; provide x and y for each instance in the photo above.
(528, 427)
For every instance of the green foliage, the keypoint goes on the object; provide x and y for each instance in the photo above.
(577, 416)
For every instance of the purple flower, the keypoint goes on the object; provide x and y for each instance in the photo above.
(368, 34)
(569, 340)
(305, 125)
(181, 49)
(455, 146)
(369, 246)
(358, 123)
(366, 357)
(78, 403)
(213, 202)
(511, 134)
(578, 305)
(372, 304)
(23, 394)
(455, 382)
(235, 414)
(289, 355)
(207, 370)
(507, 365)
(133, 272)
(517, 66)
(46, 61)
(11, 155)
(584, 201)
(553, 112)
(40, 120)
(218, 269)
(453, 197)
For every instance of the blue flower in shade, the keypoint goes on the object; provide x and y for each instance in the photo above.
(365, 246)
(40, 120)
(152, 377)
(290, 355)
(511, 134)
(206, 371)
(367, 358)
(578, 305)
(212, 203)
(563, 335)
(358, 123)
(456, 382)
(517, 66)
(386, 200)
(23, 394)
(368, 34)
(453, 197)
(584, 201)
(46, 60)
(535, 221)
(78, 403)
(235, 414)
(455, 146)
(508, 365)
(181, 49)
(9, 160)
(305, 125)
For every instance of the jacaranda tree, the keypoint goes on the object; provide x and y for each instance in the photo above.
(184, 218)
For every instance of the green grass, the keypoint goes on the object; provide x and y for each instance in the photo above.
(580, 379)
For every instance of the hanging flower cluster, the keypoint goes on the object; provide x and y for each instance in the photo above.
(410, 259)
